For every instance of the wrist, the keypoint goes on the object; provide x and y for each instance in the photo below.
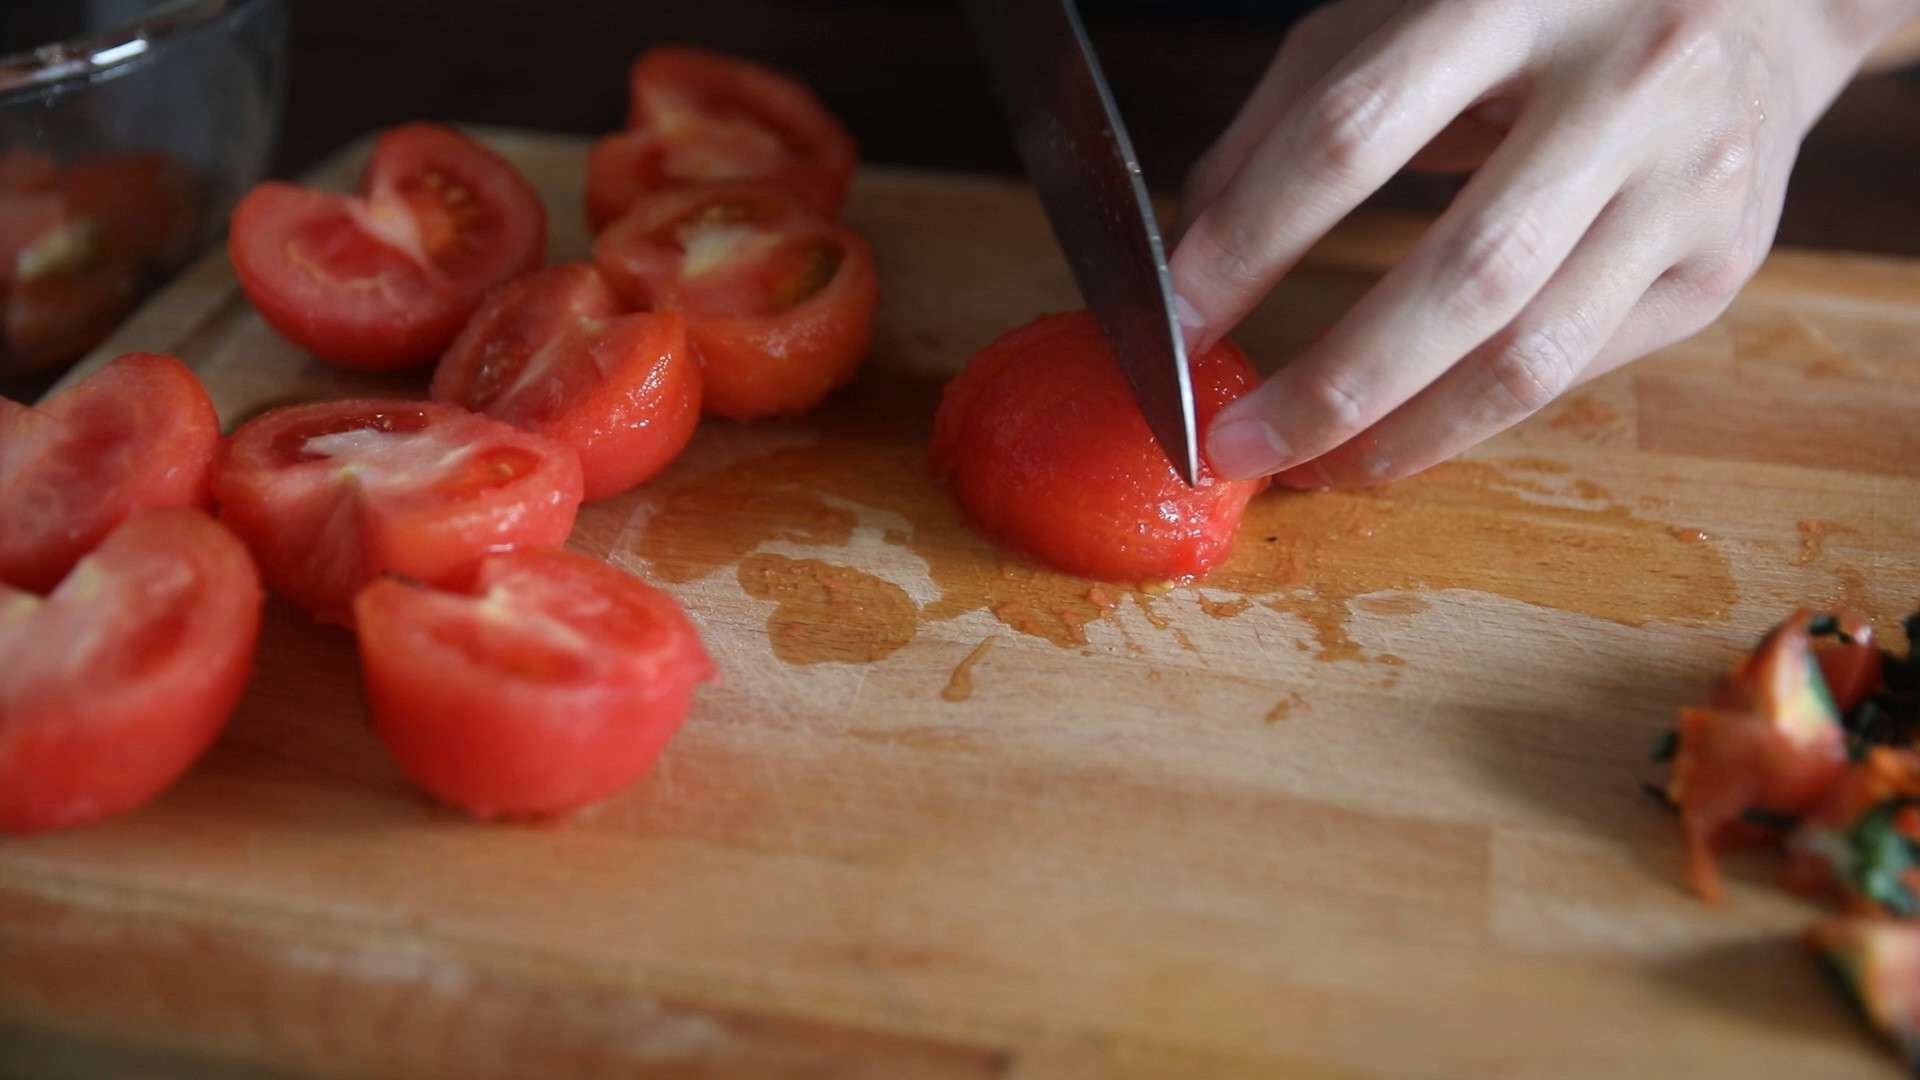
(1841, 36)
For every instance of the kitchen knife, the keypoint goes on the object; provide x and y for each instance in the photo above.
(1077, 154)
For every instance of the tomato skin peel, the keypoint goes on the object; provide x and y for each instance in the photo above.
(1043, 444)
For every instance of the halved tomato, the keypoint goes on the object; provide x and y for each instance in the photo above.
(779, 301)
(553, 353)
(138, 434)
(117, 681)
(1046, 450)
(699, 118)
(331, 495)
(551, 681)
(386, 278)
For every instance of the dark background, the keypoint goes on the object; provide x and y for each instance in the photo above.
(903, 75)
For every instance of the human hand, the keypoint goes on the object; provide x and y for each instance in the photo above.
(1630, 158)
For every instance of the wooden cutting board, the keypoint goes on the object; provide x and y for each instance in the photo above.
(1365, 803)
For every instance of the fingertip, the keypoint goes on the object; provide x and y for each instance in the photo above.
(1244, 447)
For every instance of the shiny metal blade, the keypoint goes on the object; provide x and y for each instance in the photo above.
(1077, 154)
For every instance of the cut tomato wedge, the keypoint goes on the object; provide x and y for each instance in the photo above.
(699, 118)
(553, 353)
(138, 434)
(386, 278)
(117, 681)
(552, 681)
(1044, 445)
(330, 496)
(779, 301)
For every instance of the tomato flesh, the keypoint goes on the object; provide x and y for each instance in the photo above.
(138, 434)
(121, 677)
(1043, 444)
(699, 118)
(553, 353)
(331, 495)
(551, 681)
(779, 302)
(387, 277)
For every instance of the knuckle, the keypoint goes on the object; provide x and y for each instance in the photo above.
(1340, 411)
(1680, 36)
(1494, 267)
(1725, 161)
(1233, 252)
(1535, 366)
(1342, 125)
(1717, 278)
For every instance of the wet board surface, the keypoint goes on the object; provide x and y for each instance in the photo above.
(1366, 802)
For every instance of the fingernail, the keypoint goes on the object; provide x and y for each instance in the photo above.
(1243, 449)
(1193, 328)
(1307, 477)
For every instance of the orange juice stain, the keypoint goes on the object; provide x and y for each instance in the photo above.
(1285, 706)
(826, 612)
(1687, 536)
(1813, 540)
(1466, 526)
(1583, 415)
(960, 684)
(1225, 609)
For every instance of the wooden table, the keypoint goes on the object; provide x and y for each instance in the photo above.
(1364, 803)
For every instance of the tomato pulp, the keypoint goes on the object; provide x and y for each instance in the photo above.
(553, 353)
(138, 434)
(699, 118)
(1045, 448)
(551, 681)
(331, 495)
(386, 278)
(779, 301)
(119, 679)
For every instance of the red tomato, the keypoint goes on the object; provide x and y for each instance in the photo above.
(700, 118)
(779, 301)
(552, 353)
(1851, 671)
(331, 495)
(1770, 741)
(386, 278)
(552, 681)
(1045, 447)
(52, 320)
(138, 434)
(117, 681)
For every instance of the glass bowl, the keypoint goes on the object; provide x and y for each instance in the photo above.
(122, 149)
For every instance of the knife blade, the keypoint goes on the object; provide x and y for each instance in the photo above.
(1076, 151)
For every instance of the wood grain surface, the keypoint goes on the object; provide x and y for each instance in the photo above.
(1365, 803)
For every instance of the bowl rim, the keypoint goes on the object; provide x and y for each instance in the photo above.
(92, 54)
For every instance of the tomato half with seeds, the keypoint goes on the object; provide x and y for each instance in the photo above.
(1045, 447)
(331, 495)
(122, 676)
(386, 278)
(699, 118)
(551, 681)
(138, 434)
(779, 301)
(555, 353)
